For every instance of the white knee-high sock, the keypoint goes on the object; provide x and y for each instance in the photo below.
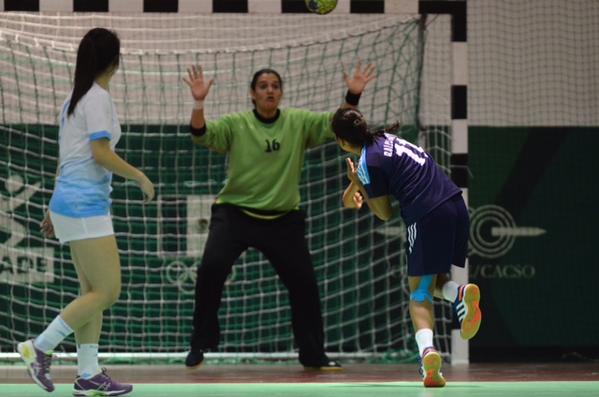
(450, 291)
(424, 339)
(52, 335)
(87, 360)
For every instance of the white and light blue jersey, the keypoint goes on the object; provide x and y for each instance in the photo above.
(82, 187)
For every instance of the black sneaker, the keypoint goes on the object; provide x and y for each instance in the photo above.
(327, 365)
(194, 358)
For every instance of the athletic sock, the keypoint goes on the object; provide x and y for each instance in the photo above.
(87, 360)
(424, 339)
(450, 291)
(52, 335)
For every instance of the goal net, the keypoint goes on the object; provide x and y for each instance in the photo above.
(359, 261)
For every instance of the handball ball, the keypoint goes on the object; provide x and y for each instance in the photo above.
(321, 6)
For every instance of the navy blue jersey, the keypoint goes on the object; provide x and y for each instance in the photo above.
(393, 166)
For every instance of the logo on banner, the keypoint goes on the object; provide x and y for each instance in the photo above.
(493, 231)
(181, 275)
(18, 264)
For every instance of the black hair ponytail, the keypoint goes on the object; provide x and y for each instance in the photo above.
(392, 129)
(98, 51)
(349, 124)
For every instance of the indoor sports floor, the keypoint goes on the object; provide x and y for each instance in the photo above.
(363, 380)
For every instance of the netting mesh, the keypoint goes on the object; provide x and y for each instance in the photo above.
(359, 261)
(533, 63)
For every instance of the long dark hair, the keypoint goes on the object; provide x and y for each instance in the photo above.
(98, 50)
(349, 124)
(260, 73)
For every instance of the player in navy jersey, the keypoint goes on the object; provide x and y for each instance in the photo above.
(436, 220)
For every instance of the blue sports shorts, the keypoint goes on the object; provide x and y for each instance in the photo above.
(439, 239)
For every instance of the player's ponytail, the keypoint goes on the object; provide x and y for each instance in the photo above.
(98, 51)
(392, 129)
(349, 124)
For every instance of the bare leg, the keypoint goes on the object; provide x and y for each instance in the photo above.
(99, 271)
(98, 263)
(89, 332)
(421, 313)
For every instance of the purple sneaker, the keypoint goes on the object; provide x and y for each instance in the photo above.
(100, 385)
(38, 364)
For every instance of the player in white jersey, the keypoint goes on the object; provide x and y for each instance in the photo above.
(79, 215)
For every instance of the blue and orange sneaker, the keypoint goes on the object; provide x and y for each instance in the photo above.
(38, 364)
(100, 385)
(431, 368)
(467, 309)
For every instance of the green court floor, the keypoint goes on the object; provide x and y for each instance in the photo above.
(395, 389)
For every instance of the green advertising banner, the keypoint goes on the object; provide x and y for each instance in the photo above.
(532, 197)
(358, 260)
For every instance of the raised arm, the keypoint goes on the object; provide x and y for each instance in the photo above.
(356, 84)
(199, 90)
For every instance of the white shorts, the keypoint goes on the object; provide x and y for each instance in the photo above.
(69, 229)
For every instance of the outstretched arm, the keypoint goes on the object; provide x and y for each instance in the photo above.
(199, 90)
(357, 83)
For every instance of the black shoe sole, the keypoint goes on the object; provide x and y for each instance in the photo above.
(194, 366)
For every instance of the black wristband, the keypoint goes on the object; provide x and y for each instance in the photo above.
(197, 131)
(352, 99)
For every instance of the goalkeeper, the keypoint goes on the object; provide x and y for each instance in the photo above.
(259, 205)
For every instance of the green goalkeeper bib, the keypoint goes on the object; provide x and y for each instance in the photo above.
(265, 160)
